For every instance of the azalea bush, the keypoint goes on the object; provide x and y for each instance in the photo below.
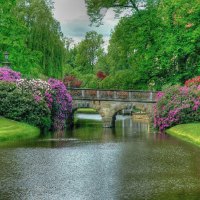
(62, 104)
(193, 81)
(51, 95)
(54, 94)
(22, 107)
(177, 105)
(41, 90)
(72, 81)
(6, 74)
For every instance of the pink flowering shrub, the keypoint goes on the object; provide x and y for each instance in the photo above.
(8, 75)
(52, 95)
(62, 104)
(177, 105)
(22, 107)
(41, 90)
(193, 81)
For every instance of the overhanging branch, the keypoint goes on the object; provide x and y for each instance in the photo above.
(131, 5)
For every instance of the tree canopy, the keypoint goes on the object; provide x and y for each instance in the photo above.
(157, 44)
(32, 36)
(97, 8)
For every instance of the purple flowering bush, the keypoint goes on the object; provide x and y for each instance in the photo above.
(22, 107)
(52, 95)
(8, 75)
(62, 104)
(177, 105)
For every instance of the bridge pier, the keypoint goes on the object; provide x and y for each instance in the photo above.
(108, 122)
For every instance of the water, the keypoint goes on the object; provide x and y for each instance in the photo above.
(92, 163)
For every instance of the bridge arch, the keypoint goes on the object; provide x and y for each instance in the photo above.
(109, 102)
(146, 108)
(78, 105)
(109, 109)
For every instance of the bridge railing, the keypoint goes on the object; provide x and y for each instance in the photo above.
(112, 95)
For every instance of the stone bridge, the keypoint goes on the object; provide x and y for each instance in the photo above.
(109, 102)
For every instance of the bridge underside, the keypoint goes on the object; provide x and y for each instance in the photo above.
(109, 109)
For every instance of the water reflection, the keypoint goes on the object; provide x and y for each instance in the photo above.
(90, 162)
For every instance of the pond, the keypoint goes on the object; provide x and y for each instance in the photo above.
(92, 163)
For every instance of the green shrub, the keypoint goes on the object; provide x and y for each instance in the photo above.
(21, 106)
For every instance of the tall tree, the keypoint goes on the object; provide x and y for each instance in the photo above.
(44, 34)
(88, 52)
(13, 39)
(33, 37)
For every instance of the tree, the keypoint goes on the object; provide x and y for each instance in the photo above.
(88, 52)
(44, 34)
(159, 44)
(95, 7)
(33, 37)
(13, 39)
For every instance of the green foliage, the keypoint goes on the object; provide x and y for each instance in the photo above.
(123, 79)
(33, 37)
(83, 58)
(90, 81)
(94, 7)
(21, 106)
(160, 43)
(88, 52)
(13, 38)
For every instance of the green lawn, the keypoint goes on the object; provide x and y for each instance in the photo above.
(12, 130)
(187, 132)
(87, 111)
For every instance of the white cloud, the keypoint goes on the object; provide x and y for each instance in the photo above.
(72, 14)
(70, 10)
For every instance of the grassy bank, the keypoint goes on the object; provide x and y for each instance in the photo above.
(12, 130)
(87, 111)
(187, 132)
(87, 122)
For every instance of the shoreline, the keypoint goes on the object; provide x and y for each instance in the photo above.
(12, 130)
(186, 132)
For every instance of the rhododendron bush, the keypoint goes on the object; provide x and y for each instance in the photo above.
(9, 75)
(62, 104)
(101, 75)
(177, 105)
(72, 81)
(193, 81)
(22, 107)
(53, 93)
(41, 90)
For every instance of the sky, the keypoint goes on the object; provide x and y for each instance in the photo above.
(72, 14)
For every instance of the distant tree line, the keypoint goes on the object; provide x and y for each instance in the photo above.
(156, 45)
